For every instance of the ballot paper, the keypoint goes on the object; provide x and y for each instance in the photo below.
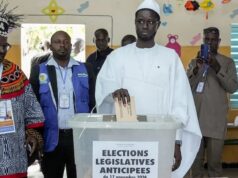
(125, 112)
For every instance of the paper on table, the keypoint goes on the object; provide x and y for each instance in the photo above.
(127, 112)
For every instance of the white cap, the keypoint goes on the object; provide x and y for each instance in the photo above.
(149, 4)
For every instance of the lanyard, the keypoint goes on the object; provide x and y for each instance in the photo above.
(65, 75)
(1, 70)
(206, 66)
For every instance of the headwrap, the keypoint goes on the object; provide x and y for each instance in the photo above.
(13, 80)
(7, 19)
(149, 4)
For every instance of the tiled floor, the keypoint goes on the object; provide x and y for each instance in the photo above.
(34, 172)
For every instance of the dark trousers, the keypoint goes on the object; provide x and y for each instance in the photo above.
(54, 162)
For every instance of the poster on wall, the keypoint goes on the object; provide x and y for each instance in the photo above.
(113, 159)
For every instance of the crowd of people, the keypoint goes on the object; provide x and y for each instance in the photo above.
(60, 85)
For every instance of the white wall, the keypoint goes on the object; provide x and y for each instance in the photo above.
(181, 22)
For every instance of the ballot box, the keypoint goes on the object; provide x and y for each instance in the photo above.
(107, 148)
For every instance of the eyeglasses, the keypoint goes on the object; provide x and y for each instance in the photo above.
(148, 22)
(5, 47)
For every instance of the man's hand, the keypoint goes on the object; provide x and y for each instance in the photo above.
(177, 157)
(213, 63)
(31, 144)
(122, 95)
(34, 142)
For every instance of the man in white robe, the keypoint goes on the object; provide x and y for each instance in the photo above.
(156, 77)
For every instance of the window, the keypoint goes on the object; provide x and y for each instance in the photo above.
(34, 36)
(234, 55)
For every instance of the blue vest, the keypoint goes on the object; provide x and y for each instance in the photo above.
(48, 104)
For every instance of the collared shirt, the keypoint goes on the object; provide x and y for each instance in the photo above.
(64, 85)
(97, 59)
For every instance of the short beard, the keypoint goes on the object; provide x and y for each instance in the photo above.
(62, 57)
(214, 51)
(146, 38)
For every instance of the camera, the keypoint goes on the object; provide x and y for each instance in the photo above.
(205, 49)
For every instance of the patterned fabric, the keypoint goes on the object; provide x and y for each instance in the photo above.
(13, 80)
(27, 113)
(38, 153)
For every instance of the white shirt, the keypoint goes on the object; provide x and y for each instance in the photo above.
(157, 79)
(64, 114)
